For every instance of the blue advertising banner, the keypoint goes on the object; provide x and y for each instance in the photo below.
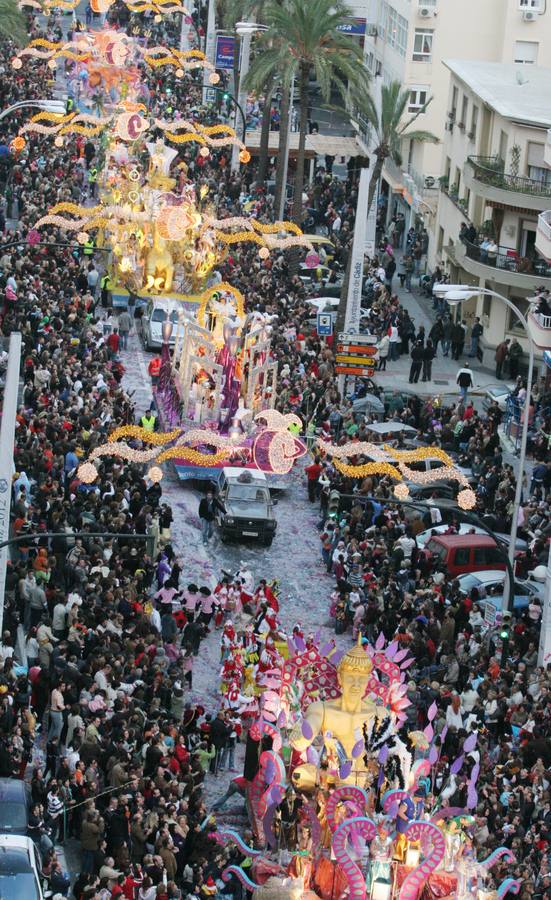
(353, 26)
(225, 49)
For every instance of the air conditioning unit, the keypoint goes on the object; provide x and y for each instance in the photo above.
(426, 11)
(529, 15)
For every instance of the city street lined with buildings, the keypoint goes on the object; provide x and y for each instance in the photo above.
(275, 470)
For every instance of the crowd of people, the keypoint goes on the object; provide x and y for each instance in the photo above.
(94, 706)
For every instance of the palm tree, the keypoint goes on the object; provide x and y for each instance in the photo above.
(13, 25)
(388, 130)
(302, 38)
(388, 127)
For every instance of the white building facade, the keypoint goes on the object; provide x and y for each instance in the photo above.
(494, 180)
(408, 41)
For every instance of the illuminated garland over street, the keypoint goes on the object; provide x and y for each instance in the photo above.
(383, 459)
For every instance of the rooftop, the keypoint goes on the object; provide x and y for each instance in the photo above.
(514, 91)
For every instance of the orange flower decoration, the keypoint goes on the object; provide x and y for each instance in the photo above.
(18, 143)
(244, 156)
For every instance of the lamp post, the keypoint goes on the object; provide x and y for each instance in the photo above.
(454, 294)
(245, 30)
(54, 106)
(283, 155)
(210, 41)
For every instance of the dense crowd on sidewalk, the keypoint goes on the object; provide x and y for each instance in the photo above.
(99, 719)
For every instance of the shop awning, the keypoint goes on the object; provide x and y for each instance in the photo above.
(316, 144)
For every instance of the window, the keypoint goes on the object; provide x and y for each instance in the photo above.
(464, 111)
(368, 61)
(440, 243)
(503, 142)
(474, 122)
(539, 173)
(513, 324)
(526, 52)
(418, 96)
(461, 556)
(457, 179)
(535, 163)
(395, 29)
(422, 44)
(455, 95)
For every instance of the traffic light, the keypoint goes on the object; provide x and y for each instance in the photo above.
(504, 633)
(225, 96)
(333, 505)
(505, 630)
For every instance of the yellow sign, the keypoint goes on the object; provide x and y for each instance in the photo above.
(354, 360)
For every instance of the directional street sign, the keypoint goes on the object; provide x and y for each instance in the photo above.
(359, 371)
(351, 338)
(343, 359)
(357, 348)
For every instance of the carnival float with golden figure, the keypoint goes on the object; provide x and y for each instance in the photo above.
(217, 390)
(342, 799)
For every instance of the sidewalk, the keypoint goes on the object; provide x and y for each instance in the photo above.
(444, 369)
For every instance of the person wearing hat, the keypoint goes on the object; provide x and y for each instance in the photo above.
(208, 888)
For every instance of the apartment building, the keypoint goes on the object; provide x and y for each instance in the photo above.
(409, 40)
(495, 180)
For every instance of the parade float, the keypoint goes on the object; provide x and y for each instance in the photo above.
(217, 390)
(342, 802)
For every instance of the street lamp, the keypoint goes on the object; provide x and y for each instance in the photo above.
(245, 30)
(455, 294)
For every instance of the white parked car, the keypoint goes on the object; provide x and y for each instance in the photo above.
(155, 314)
(489, 583)
(20, 867)
(498, 393)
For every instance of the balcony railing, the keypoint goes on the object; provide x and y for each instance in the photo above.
(510, 261)
(488, 170)
(543, 321)
(544, 223)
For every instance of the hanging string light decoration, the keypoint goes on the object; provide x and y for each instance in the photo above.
(388, 461)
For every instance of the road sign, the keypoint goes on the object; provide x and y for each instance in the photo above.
(490, 611)
(362, 349)
(346, 360)
(325, 324)
(359, 371)
(350, 338)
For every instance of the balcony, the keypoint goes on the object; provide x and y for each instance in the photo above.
(485, 176)
(547, 150)
(504, 266)
(540, 329)
(543, 235)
